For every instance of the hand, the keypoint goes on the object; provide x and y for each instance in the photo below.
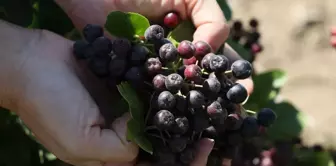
(213, 30)
(59, 100)
(205, 14)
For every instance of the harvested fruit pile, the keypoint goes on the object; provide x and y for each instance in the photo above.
(189, 91)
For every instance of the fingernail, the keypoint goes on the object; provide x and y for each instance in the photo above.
(207, 144)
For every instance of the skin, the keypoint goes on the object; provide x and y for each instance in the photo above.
(62, 102)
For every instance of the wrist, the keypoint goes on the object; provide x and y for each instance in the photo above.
(16, 44)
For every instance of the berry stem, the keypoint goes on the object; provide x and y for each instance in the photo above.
(166, 68)
(196, 85)
(176, 64)
(179, 93)
(160, 137)
(204, 72)
(148, 83)
(229, 72)
(169, 136)
(250, 112)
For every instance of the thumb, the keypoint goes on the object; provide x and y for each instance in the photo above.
(209, 21)
(204, 149)
(111, 145)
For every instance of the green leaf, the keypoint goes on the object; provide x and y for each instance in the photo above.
(289, 124)
(53, 18)
(136, 106)
(184, 31)
(18, 12)
(225, 8)
(304, 157)
(126, 25)
(266, 87)
(135, 133)
(243, 52)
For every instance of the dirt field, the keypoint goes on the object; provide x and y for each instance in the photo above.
(296, 39)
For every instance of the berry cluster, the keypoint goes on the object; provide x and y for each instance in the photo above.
(193, 93)
(333, 37)
(248, 37)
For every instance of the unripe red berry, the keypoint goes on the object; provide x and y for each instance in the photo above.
(333, 41)
(333, 31)
(190, 61)
(186, 49)
(192, 72)
(256, 48)
(171, 20)
(202, 48)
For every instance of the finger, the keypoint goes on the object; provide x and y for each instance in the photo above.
(226, 162)
(203, 151)
(209, 21)
(111, 146)
(120, 126)
(233, 56)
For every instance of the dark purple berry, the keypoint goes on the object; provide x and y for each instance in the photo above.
(250, 127)
(164, 157)
(253, 23)
(178, 144)
(211, 86)
(171, 20)
(91, 32)
(200, 121)
(266, 117)
(234, 138)
(153, 65)
(174, 82)
(187, 156)
(121, 47)
(181, 105)
(216, 113)
(237, 25)
(139, 55)
(202, 48)
(210, 132)
(190, 61)
(79, 49)
(234, 122)
(205, 63)
(159, 82)
(219, 63)
(102, 45)
(99, 66)
(134, 75)
(241, 69)
(117, 66)
(158, 44)
(196, 99)
(237, 94)
(186, 49)
(154, 33)
(168, 52)
(181, 125)
(166, 100)
(164, 120)
(253, 37)
(192, 72)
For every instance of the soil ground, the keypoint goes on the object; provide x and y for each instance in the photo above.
(295, 35)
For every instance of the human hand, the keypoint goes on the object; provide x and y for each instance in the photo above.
(206, 15)
(59, 100)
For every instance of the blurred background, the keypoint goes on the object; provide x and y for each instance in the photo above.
(295, 35)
